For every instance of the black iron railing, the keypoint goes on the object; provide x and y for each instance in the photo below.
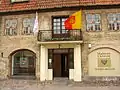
(68, 35)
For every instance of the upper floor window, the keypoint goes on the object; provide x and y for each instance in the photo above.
(93, 22)
(11, 27)
(114, 21)
(28, 24)
(13, 1)
(58, 25)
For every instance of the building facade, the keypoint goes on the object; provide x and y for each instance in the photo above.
(93, 51)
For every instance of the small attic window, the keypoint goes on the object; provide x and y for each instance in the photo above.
(14, 1)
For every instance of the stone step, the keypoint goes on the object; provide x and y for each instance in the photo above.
(24, 77)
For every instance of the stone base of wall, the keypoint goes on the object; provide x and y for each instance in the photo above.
(3, 78)
(90, 81)
(100, 81)
(101, 78)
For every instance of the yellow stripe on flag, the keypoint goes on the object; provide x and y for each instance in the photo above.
(74, 21)
(78, 20)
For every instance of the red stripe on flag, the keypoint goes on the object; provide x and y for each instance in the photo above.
(68, 25)
(69, 22)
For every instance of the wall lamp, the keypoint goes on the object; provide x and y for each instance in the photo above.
(89, 45)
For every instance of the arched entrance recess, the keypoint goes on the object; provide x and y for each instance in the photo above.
(23, 62)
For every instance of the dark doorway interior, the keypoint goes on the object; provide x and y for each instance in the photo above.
(60, 65)
(61, 61)
(64, 65)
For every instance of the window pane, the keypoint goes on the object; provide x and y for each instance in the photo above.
(54, 28)
(97, 18)
(63, 19)
(54, 20)
(58, 28)
(89, 18)
(89, 27)
(57, 20)
(54, 24)
(58, 24)
(57, 31)
(63, 27)
(63, 23)
(119, 17)
(64, 31)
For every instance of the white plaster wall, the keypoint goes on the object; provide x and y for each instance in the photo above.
(50, 74)
(77, 63)
(42, 64)
(71, 74)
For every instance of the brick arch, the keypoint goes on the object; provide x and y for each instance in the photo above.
(117, 49)
(16, 50)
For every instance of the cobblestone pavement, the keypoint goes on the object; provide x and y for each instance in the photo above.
(66, 85)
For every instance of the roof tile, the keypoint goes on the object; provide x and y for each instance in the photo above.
(6, 5)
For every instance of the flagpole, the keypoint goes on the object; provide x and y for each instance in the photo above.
(35, 28)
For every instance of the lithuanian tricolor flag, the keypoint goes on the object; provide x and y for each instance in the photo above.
(74, 21)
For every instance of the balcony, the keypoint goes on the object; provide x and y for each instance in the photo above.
(68, 35)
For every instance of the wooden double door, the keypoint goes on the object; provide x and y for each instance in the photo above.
(60, 65)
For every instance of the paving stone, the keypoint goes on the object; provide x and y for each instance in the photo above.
(57, 85)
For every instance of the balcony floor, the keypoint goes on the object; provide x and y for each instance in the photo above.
(59, 42)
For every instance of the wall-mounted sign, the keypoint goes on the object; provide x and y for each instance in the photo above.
(104, 62)
(24, 62)
(104, 59)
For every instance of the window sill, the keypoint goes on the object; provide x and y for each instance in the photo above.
(93, 30)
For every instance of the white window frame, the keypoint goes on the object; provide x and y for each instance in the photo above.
(11, 26)
(93, 22)
(28, 26)
(113, 21)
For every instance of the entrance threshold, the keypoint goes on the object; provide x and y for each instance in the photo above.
(61, 80)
